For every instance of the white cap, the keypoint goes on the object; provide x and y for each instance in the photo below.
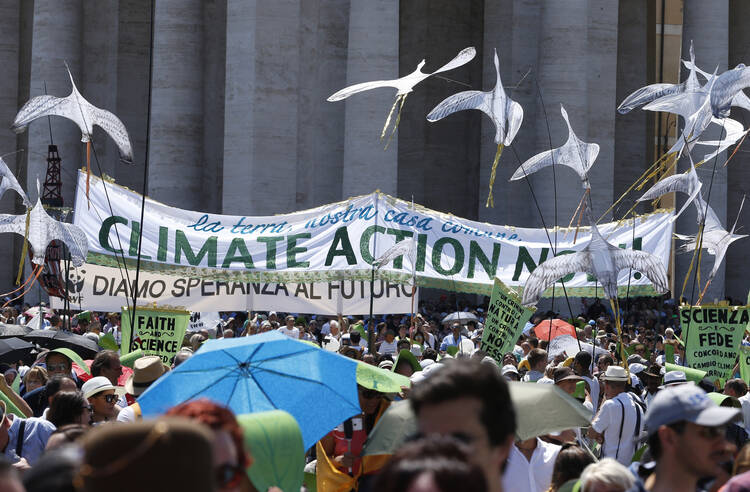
(96, 385)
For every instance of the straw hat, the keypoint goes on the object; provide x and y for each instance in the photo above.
(146, 370)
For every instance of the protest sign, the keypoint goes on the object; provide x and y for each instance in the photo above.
(155, 331)
(505, 320)
(714, 334)
(745, 363)
(339, 241)
(104, 288)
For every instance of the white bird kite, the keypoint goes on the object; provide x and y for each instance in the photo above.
(715, 240)
(686, 182)
(726, 89)
(733, 132)
(404, 85)
(574, 153)
(9, 182)
(653, 92)
(504, 112)
(739, 100)
(43, 229)
(84, 114)
(600, 259)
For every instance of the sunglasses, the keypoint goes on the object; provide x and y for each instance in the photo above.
(57, 367)
(88, 408)
(228, 475)
(108, 398)
(369, 394)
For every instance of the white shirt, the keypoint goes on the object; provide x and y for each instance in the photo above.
(388, 348)
(607, 422)
(127, 414)
(745, 402)
(593, 391)
(293, 333)
(522, 475)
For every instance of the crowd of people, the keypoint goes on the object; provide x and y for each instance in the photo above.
(650, 428)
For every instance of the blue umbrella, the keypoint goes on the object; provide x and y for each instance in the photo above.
(260, 373)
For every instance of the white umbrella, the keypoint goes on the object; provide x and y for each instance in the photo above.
(460, 316)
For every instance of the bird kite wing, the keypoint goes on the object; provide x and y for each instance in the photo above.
(727, 86)
(462, 58)
(553, 270)
(514, 120)
(364, 86)
(537, 162)
(40, 106)
(460, 102)
(647, 94)
(111, 124)
(9, 182)
(73, 237)
(644, 262)
(684, 104)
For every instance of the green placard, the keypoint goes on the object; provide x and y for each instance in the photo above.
(155, 331)
(745, 363)
(714, 334)
(505, 320)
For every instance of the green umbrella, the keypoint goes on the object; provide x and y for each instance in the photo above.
(129, 359)
(74, 357)
(540, 409)
(275, 443)
(408, 357)
(719, 398)
(691, 374)
(374, 378)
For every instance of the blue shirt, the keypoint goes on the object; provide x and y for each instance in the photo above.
(450, 341)
(35, 437)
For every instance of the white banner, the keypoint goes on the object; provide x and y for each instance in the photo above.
(339, 241)
(102, 288)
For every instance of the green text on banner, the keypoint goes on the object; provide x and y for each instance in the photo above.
(155, 331)
(506, 318)
(714, 334)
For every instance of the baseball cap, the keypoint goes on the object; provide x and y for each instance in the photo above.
(96, 385)
(688, 403)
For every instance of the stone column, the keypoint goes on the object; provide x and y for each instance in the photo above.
(372, 55)
(176, 130)
(737, 268)
(707, 24)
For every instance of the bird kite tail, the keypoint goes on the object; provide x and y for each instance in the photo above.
(398, 120)
(692, 261)
(88, 172)
(579, 212)
(35, 275)
(25, 247)
(493, 174)
(388, 119)
(19, 287)
(736, 148)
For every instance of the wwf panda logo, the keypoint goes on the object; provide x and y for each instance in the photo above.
(75, 281)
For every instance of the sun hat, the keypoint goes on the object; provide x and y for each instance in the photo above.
(688, 403)
(386, 364)
(615, 373)
(146, 370)
(673, 378)
(565, 374)
(509, 368)
(96, 385)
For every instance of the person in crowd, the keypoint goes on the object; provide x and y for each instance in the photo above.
(113, 327)
(181, 356)
(66, 434)
(10, 479)
(453, 339)
(469, 399)
(107, 364)
(537, 359)
(344, 444)
(289, 329)
(146, 370)
(69, 407)
(100, 393)
(36, 377)
(173, 453)
(738, 388)
(510, 373)
(435, 463)
(40, 399)
(230, 458)
(652, 380)
(22, 441)
(686, 437)
(619, 423)
(530, 465)
(606, 475)
(569, 464)
(582, 364)
(388, 346)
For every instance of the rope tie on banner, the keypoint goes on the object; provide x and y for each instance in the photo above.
(25, 247)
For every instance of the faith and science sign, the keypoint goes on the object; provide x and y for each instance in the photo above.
(155, 331)
(340, 241)
(714, 334)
